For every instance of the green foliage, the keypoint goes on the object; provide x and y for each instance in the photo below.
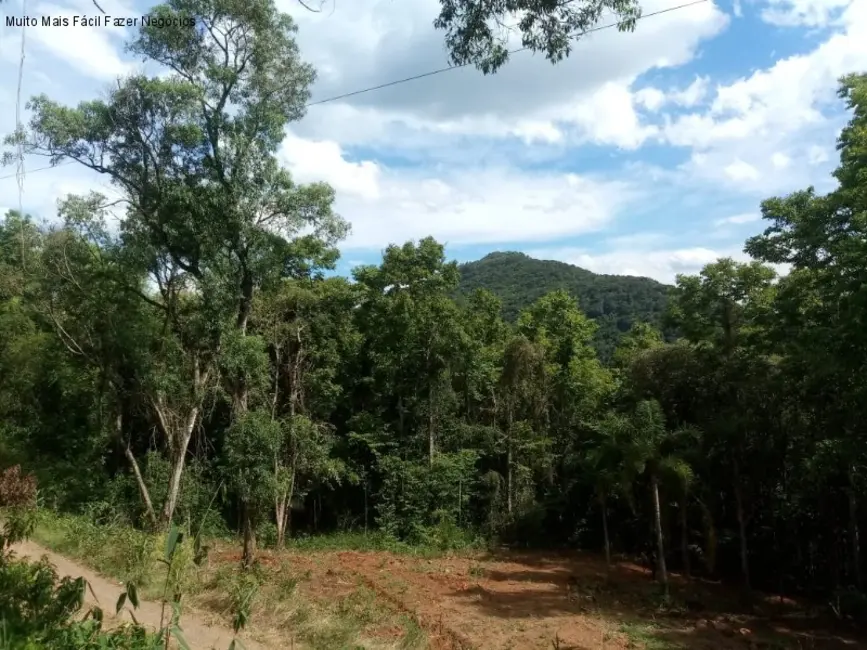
(426, 502)
(476, 33)
(195, 371)
(613, 302)
(37, 610)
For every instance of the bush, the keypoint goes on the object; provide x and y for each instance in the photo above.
(16, 489)
(37, 609)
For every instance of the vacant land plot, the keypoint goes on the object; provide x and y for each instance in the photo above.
(308, 599)
(536, 601)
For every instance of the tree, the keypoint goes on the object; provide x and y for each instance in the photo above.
(211, 216)
(84, 294)
(413, 335)
(650, 448)
(477, 33)
(253, 443)
(307, 327)
(824, 300)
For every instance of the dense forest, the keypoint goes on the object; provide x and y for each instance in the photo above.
(196, 352)
(614, 302)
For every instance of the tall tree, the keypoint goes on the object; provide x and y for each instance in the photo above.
(211, 216)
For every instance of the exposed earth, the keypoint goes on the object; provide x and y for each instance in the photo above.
(511, 601)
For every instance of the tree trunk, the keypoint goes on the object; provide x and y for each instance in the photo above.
(604, 507)
(742, 527)
(854, 532)
(178, 435)
(282, 512)
(684, 533)
(509, 479)
(280, 509)
(660, 544)
(431, 445)
(249, 554)
(431, 428)
(150, 513)
(178, 461)
(710, 539)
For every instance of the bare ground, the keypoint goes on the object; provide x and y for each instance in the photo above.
(507, 601)
(560, 601)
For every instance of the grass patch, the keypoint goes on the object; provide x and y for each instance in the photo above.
(115, 551)
(271, 600)
(646, 637)
(374, 541)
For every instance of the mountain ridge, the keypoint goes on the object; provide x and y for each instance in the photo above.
(614, 302)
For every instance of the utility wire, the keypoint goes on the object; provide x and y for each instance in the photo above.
(423, 75)
(463, 65)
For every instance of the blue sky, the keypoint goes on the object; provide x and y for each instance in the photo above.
(644, 153)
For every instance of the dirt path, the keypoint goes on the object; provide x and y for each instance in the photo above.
(199, 634)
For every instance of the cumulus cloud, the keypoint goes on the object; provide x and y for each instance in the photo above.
(393, 41)
(489, 160)
(811, 13)
(91, 51)
(661, 264)
(761, 129)
(475, 205)
(738, 219)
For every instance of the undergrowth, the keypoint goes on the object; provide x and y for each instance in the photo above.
(267, 599)
(38, 610)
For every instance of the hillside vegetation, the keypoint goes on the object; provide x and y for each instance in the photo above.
(191, 391)
(613, 302)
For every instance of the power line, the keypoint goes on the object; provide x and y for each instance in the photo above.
(431, 73)
(397, 82)
(38, 169)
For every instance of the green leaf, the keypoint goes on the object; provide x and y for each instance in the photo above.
(121, 601)
(96, 614)
(173, 538)
(179, 637)
(132, 590)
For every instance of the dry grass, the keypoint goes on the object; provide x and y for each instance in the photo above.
(352, 600)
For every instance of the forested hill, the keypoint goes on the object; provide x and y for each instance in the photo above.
(613, 301)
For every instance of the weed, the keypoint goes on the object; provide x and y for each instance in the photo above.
(415, 637)
(646, 636)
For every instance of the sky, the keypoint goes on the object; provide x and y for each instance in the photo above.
(644, 153)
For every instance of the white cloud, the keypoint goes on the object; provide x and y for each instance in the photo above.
(739, 171)
(810, 13)
(465, 205)
(693, 94)
(650, 98)
(92, 51)
(586, 98)
(472, 149)
(740, 138)
(660, 264)
(654, 99)
(43, 189)
(816, 155)
(780, 160)
(738, 219)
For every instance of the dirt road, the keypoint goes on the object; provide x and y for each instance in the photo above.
(198, 632)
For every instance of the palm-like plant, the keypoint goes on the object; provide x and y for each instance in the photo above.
(641, 444)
